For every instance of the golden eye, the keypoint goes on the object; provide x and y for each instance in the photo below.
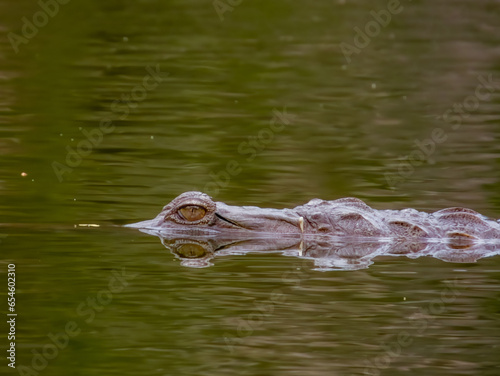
(192, 212)
(191, 251)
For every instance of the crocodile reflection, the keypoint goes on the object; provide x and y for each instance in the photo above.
(326, 252)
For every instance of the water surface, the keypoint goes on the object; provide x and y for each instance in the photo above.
(354, 127)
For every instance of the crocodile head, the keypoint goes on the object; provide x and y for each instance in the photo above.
(197, 214)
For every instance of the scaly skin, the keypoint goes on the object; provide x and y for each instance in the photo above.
(344, 233)
(345, 217)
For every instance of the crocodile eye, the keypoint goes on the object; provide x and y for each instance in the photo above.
(191, 251)
(192, 213)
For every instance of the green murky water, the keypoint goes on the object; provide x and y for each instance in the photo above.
(111, 109)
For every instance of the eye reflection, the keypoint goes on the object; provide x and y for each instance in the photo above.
(191, 251)
(192, 212)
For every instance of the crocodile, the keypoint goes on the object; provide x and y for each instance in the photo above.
(194, 227)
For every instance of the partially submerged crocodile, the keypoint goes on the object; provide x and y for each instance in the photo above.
(321, 229)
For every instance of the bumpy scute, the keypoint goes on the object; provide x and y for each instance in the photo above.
(407, 230)
(352, 202)
(352, 217)
(466, 223)
(341, 221)
(319, 222)
(355, 224)
(455, 210)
